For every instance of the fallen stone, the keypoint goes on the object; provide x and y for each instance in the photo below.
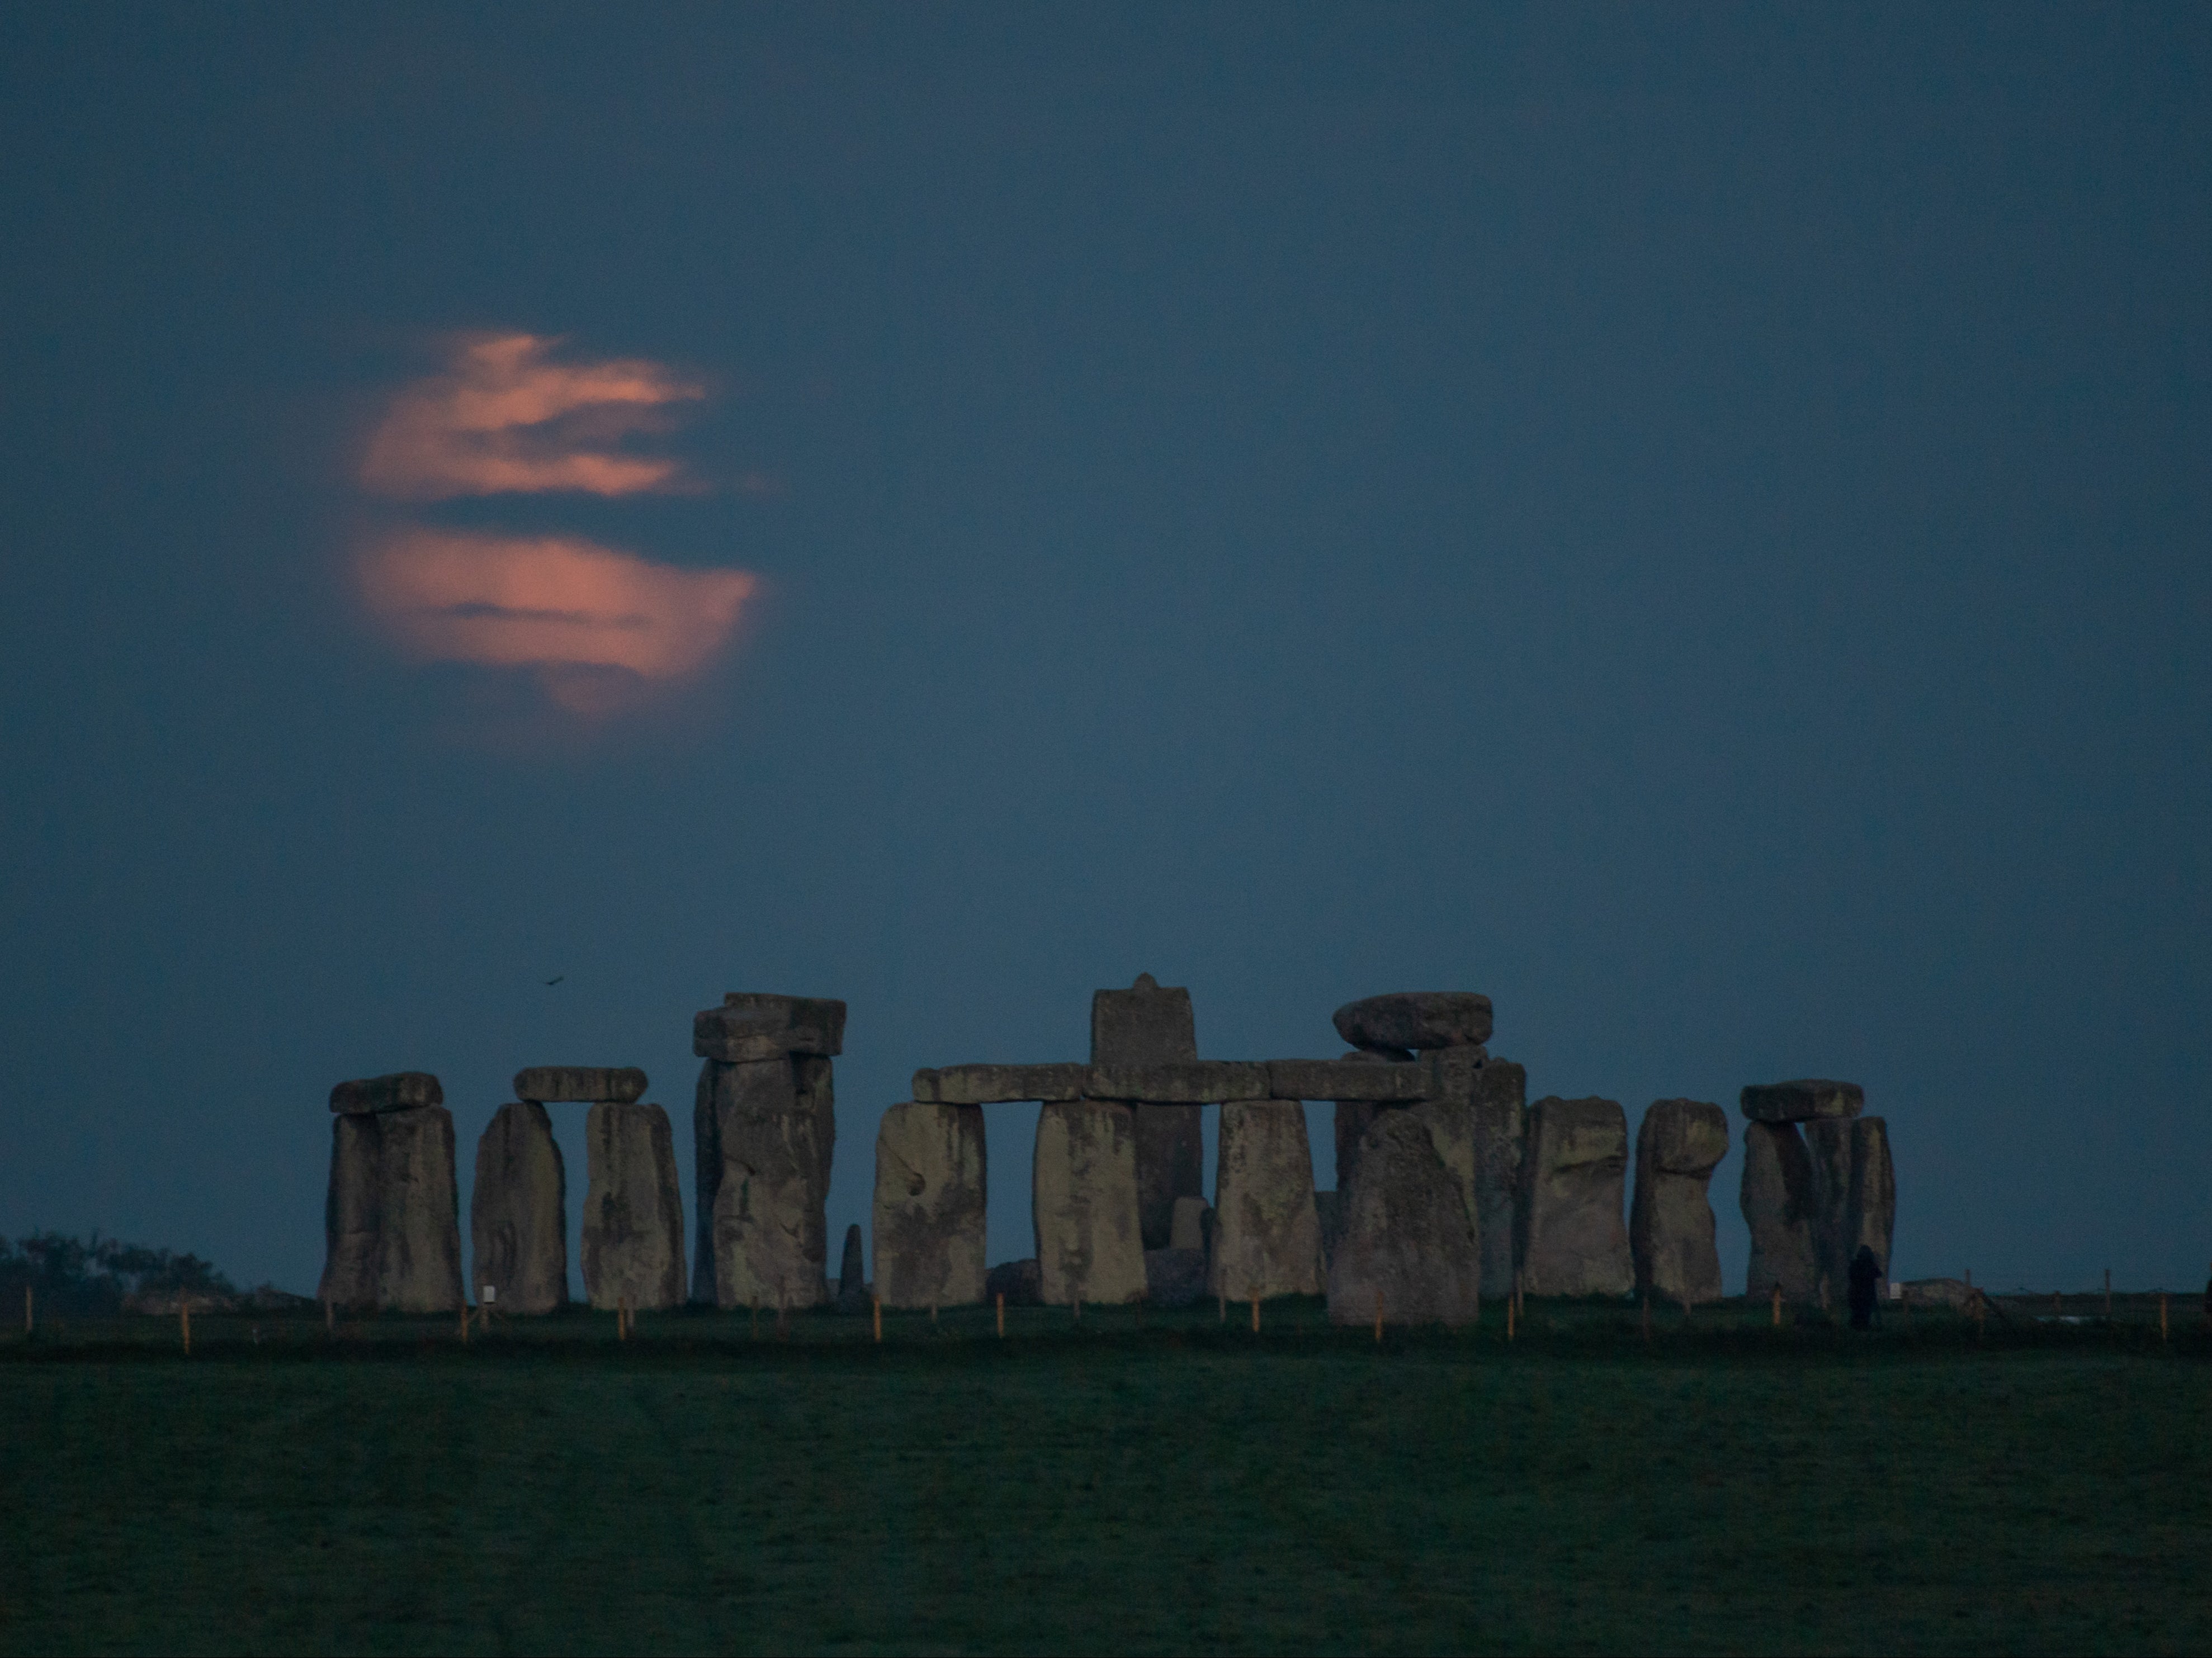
(1500, 1090)
(1405, 1251)
(996, 1084)
(402, 1090)
(392, 1218)
(1192, 1226)
(1267, 1236)
(853, 1274)
(1777, 1204)
(748, 1027)
(764, 1132)
(518, 1213)
(1853, 1196)
(930, 1188)
(1573, 1170)
(633, 1232)
(1352, 1079)
(1954, 1294)
(1175, 1277)
(1670, 1225)
(1017, 1280)
(580, 1084)
(1416, 1020)
(1190, 1082)
(1803, 1102)
(1084, 1204)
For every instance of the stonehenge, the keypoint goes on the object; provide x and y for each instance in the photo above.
(1670, 1220)
(1574, 1159)
(929, 1206)
(516, 1219)
(764, 1127)
(1818, 1182)
(633, 1209)
(391, 1221)
(1449, 1184)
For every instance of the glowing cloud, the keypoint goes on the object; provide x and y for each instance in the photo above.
(506, 419)
(553, 604)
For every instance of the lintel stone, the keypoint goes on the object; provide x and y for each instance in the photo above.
(580, 1084)
(400, 1090)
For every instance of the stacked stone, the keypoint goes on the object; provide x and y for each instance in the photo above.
(392, 1223)
(1813, 1198)
(765, 1126)
(1670, 1225)
(1407, 1243)
(633, 1233)
(1573, 1170)
(930, 1185)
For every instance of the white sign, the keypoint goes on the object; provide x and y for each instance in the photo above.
(1897, 1292)
(490, 1294)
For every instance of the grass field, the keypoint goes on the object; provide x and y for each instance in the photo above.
(1136, 1482)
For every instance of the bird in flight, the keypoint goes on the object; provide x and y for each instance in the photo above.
(555, 980)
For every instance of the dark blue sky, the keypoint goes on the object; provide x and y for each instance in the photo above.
(1694, 523)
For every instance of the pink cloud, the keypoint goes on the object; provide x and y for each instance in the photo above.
(506, 419)
(592, 620)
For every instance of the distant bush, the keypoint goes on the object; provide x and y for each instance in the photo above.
(92, 1278)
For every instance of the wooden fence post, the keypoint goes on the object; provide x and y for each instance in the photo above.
(1256, 1316)
(876, 1310)
(1002, 1314)
(185, 1321)
(2161, 1316)
(1509, 1319)
(1378, 1318)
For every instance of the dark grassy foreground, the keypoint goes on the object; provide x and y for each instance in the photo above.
(1166, 1484)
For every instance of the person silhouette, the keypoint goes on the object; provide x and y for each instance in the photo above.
(1866, 1279)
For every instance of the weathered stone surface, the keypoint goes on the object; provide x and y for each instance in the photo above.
(1854, 1195)
(1573, 1168)
(1329, 1210)
(1417, 1019)
(1175, 1277)
(1670, 1222)
(401, 1091)
(1500, 1101)
(764, 1132)
(853, 1274)
(1171, 1166)
(518, 1213)
(1404, 1242)
(1803, 1102)
(1449, 1116)
(1017, 1280)
(580, 1084)
(1778, 1205)
(1189, 1082)
(1145, 1024)
(749, 1027)
(1355, 1114)
(995, 1084)
(1192, 1226)
(1267, 1236)
(633, 1233)
(929, 1186)
(1351, 1080)
(393, 1219)
(1084, 1204)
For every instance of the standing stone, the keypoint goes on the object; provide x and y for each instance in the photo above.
(393, 1218)
(1147, 1024)
(1449, 1115)
(1574, 1166)
(930, 1188)
(1853, 1194)
(1267, 1237)
(1084, 1204)
(1192, 1227)
(1353, 1119)
(633, 1209)
(765, 1130)
(1670, 1224)
(1777, 1206)
(518, 1213)
(1406, 1243)
(1500, 1113)
(853, 1274)
(1417, 1019)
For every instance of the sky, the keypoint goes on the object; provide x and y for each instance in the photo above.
(1691, 522)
